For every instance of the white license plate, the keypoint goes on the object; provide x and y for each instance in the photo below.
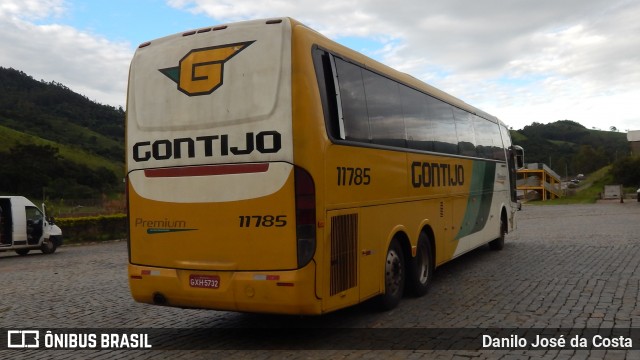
(204, 281)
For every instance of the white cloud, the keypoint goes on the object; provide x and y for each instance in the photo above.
(522, 60)
(86, 63)
(333, 18)
(31, 9)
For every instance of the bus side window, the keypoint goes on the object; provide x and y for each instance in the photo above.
(322, 64)
(354, 105)
(384, 108)
(416, 119)
(444, 129)
(488, 138)
(466, 135)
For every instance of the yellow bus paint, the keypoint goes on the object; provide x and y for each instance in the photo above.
(219, 171)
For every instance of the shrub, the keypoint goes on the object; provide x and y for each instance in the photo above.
(93, 228)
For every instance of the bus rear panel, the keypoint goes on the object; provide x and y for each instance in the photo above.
(217, 209)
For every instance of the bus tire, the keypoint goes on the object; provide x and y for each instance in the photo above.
(22, 252)
(498, 244)
(421, 268)
(394, 277)
(48, 247)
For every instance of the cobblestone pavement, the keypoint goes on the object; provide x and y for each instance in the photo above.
(569, 266)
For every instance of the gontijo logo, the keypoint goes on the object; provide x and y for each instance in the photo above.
(201, 71)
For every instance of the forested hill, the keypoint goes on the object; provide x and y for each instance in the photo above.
(57, 141)
(54, 112)
(569, 148)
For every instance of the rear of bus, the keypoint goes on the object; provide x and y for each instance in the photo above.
(219, 216)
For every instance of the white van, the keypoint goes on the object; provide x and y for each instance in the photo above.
(24, 227)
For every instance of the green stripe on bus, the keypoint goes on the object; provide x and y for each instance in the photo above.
(480, 197)
(153, 231)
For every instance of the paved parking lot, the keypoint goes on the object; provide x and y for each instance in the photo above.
(567, 267)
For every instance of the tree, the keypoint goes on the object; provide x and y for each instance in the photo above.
(613, 128)
(626, 171)
(30, 169)
(27, 168)
(588, 159)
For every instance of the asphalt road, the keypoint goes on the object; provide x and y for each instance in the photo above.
(565, 267)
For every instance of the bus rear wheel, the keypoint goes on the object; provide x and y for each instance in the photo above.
(421, 270)
(394, 277)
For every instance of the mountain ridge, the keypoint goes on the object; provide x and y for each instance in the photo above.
(56, 141)
(569, 148)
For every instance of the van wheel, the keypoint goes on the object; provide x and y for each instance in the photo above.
(498, 244)
(22, 252)
(48, 247)
(394, 276)
(421, 270)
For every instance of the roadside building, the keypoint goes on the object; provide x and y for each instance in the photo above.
(634, 139)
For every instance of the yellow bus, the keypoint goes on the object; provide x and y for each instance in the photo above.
(270, 169)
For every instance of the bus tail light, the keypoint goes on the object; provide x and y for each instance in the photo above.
(305, 216)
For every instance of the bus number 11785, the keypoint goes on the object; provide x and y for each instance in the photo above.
(263, 220)
(348, 176)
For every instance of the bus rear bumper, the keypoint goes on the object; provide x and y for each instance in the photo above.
(282, 292)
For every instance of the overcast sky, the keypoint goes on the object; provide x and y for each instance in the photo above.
(520, 60)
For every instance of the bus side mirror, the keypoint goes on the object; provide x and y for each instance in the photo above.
(518, 152)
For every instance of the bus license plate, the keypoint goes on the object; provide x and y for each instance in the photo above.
(204, 281)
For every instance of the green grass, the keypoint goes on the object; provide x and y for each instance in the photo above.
(560, 142)
(587, 193)
(517, 137)
(11, 137)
